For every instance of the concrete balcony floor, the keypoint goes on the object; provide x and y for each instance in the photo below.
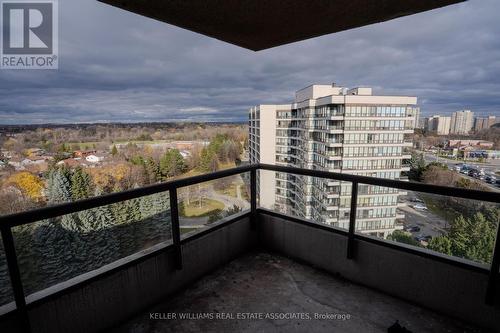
(260, 282)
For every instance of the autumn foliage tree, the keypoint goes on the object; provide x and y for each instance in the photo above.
(28, 183)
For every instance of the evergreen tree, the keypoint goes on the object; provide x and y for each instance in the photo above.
(59, 187)
(441, 244)
(473, 238)
(114, 151)
(172, 164)
(100, 246)
(80, 184)
(152, 171)
(146, 206)
(459, 236)
(127, 216)
(62, 241)
(403, 237)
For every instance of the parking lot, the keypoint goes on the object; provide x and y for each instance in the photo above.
(485, 171)
(421, 222)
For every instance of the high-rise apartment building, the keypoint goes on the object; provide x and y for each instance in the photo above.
(438, 124)
(334, 129)
(462, 122)
(418, 121)
(481, 123)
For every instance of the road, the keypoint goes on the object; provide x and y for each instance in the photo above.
(429, 223)
(228, 201)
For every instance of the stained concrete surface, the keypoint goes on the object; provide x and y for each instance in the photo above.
(246, 294)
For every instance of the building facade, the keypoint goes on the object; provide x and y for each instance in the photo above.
(334, 129)
(438, 124)
(419, 122)
(462, 122)
(482, 123)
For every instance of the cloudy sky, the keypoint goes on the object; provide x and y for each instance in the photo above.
(117, 66)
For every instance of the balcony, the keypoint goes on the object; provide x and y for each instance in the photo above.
(255, 262)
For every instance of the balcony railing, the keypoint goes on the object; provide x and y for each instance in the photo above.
(7, 223)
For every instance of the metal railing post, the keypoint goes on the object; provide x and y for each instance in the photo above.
(491, 289)
(352, 221)
(176, 231)
(253, 198)
(15, 278)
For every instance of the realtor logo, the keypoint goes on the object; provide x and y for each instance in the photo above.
(29, 35)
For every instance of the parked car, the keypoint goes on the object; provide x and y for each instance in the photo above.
(416, 200)
(419, 206)
(474, 173)
(413, 228)
(465, 169)
(423, 238)
(491, 179)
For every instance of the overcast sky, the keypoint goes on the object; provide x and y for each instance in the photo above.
(118, 66)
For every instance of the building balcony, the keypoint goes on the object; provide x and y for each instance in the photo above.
(240, 269)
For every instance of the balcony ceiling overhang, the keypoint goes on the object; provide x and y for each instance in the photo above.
(262, 24)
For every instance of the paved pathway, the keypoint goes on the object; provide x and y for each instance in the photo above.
(228, 201)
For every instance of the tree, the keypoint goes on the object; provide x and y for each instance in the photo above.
(59, 186)
(221, 149)
(126, 216)
(417, 167)
(459, 236)
(473, 238)
(28, 183)
(441, 244)
(171, 164)
(58, 240)
(436, 174)
(114, 151)
(206, 159)
(80, 184)
(214, 164)
(403, 237)
(153, 170)
(100, 240)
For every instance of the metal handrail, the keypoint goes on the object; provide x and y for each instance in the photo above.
(402, 185)
(35, 215)
(7, 222)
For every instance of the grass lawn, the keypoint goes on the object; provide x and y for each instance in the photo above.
(229, 190)
(84, 145)
(224, 166)
(144, 142)
(194, 209)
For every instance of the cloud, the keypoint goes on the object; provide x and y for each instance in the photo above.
(118, 66)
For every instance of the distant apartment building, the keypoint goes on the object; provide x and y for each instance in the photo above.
(482, 123)
(334, 129)
(462, 122)
(439, 125)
